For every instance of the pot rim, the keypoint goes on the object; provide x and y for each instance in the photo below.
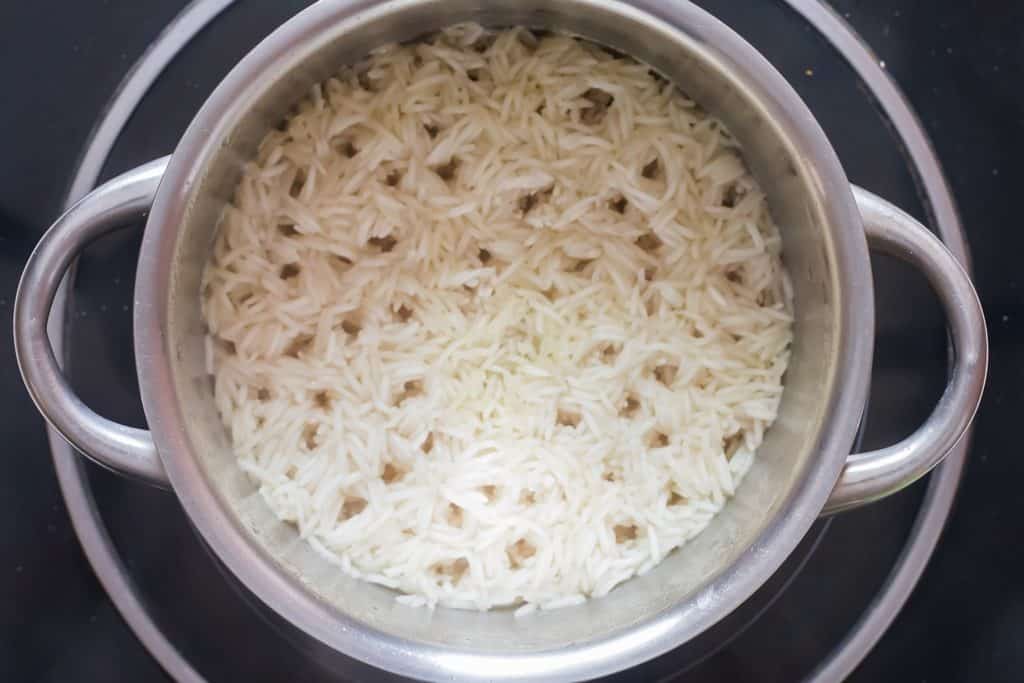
(286, 594)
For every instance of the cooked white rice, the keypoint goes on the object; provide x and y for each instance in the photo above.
(497, 319)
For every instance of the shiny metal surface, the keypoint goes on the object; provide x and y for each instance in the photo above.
(71, 470)
(813, 172)
(111, 205)
(869, 476)
(781, 497)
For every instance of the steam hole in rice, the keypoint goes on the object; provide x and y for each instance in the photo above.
(625, 533)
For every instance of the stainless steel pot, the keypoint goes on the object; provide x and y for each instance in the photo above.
(803, 468)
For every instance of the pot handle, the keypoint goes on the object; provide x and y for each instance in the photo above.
(125, 449)
(873, 475)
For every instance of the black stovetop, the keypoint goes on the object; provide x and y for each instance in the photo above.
(960, 65)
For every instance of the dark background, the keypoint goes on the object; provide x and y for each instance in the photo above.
(961, 64)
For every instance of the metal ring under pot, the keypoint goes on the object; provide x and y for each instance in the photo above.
(964, 323)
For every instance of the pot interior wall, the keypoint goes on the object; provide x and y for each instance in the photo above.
(790, 448)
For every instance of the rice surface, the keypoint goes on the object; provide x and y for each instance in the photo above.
(497, 319)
